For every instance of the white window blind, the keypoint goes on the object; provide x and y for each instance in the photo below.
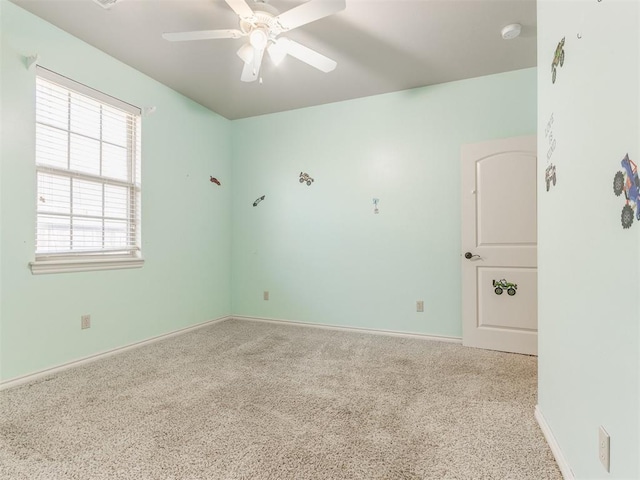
(88, 172)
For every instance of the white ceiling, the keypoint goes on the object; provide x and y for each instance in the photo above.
(380, 46)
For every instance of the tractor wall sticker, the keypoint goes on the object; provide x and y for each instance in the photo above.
(628, 183)
(558, 59)
(502, 285)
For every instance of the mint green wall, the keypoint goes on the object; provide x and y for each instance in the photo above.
(186, 219)
(589, 266)
(319, 250)
(1, 149)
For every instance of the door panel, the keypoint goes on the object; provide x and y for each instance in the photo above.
(499, 227)
(505, 311)
(505, 213)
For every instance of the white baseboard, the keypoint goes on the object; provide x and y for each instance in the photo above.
(374, 331)
(30, 377)
(14, 382)
(567, 474)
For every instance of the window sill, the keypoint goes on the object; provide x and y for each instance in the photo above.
(41, 267)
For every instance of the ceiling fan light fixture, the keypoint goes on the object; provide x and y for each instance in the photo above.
(258, 39)
(277, 52)
(246, 53)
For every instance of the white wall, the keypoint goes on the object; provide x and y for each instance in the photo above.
(589, 265)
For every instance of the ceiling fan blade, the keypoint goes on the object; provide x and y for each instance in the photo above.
(251, 70)
(306, 55)
(201, 35)
(247, 73)
(241, 8)
(309, 12)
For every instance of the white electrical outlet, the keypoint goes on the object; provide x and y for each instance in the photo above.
(604, 447)
(265, 295)
(85, 321)
(420, 306)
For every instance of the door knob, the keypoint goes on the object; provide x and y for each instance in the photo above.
(470, 255)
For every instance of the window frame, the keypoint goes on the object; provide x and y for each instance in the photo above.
(99, 259)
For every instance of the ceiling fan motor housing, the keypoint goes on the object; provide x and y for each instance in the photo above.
(263, 19)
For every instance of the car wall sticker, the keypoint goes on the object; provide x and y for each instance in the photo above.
(304, 177)
(558, 60)
(548, 135)
(500, 286)
(627, 181)
(550, 172)
(550, 176)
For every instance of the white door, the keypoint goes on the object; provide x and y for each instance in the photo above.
(499, 234)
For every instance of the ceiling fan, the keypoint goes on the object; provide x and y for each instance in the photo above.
(263, 25)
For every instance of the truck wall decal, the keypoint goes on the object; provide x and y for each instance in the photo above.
(558, 59)
(627, 181)
(305, 178)
(502, 285)
(550, 176)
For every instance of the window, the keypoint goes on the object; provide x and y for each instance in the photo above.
(88, 178)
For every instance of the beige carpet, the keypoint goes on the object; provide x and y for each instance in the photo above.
(247, 400)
